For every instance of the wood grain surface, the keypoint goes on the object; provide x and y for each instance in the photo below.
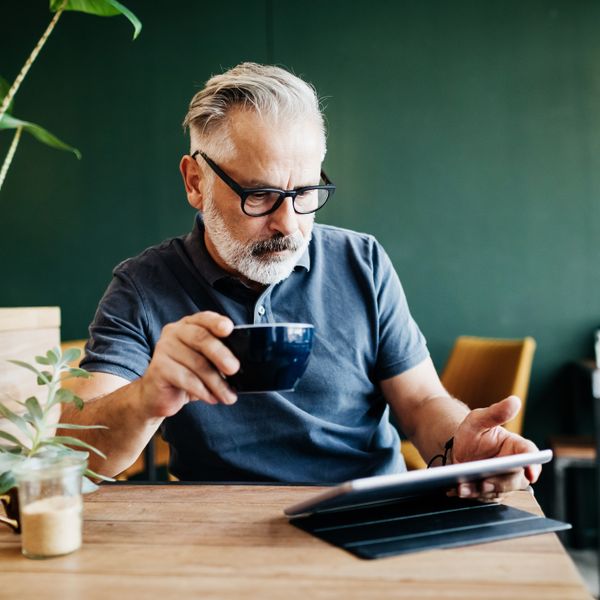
(232, 541)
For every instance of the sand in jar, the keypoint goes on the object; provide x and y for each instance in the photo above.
(51, 526)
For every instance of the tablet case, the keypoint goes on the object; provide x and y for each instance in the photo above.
(421, 523)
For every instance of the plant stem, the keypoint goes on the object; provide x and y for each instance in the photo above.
(10, 154)
(41, 435)
(56, 371)
(15, 86)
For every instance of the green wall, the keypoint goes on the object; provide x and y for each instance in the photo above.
(465, 135)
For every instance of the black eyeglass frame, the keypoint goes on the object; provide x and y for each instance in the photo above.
(243, 192)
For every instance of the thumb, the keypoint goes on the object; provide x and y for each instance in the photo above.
(495, 414)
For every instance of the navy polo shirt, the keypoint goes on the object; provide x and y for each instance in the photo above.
(335, 426)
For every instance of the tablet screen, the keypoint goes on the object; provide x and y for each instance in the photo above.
(388, 488)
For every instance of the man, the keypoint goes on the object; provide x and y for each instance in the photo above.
(255, 255)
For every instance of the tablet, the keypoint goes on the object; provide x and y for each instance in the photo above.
(388, 488)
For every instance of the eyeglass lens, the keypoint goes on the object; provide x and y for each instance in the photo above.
(263, 201)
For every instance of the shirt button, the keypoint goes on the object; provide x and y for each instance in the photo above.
(261, 310)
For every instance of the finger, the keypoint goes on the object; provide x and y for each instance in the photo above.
(494, 485)
(184, 379)
(532, 472)
(505, 483)
(206, 372)
(473, 493)
(520, 445)
(218, 325)
(204, 342)
(492, 498)
(495, 414)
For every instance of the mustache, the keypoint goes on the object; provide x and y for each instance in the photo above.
(278, 243)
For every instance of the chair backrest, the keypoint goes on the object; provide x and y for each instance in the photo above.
(481, 371)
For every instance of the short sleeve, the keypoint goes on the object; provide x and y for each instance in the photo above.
(119, 340)
(401, 343)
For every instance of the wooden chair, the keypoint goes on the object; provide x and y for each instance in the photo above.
(156, 453)
(481, 371)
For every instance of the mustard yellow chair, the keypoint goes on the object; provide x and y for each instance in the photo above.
(481, 371)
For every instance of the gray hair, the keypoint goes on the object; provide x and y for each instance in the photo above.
(270, 91)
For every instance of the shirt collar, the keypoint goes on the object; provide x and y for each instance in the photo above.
(204, 262)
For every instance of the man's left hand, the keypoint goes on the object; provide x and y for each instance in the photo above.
(480, 436)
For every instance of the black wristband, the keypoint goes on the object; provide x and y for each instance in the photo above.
(447, 447)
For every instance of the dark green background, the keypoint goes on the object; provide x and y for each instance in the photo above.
(465, 135)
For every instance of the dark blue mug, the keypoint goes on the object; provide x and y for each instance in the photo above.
(273, 356)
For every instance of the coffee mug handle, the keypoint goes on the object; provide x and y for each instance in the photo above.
(12, 523)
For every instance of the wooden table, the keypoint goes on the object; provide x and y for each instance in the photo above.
(227, 541)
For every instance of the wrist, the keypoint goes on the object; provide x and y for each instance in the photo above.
(445, 457)
(142, 397)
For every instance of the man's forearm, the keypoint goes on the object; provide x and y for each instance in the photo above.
(129, 430)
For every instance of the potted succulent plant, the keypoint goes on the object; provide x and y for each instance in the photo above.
(37, 437)
(28, 436)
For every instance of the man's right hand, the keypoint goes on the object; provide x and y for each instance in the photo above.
(187, 364)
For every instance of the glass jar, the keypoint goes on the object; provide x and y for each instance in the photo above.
(51, 504)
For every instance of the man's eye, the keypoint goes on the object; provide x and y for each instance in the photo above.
(261, 199)
(306, 196)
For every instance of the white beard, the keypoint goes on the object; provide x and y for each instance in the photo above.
(254, 261)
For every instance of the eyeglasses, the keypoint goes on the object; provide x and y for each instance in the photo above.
(258, 202)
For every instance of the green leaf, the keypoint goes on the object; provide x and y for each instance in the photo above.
(71, 441)
(34, 408)
(44, 378)
(66, 396)
(17, 420)
(73, 426)
(91, 473)
(38, 132)
(11, 438)
(77, 372)
(70, 355)
(100, 8)
(88, 486)
(25, 365)
(137, 25)
(42, 360)
(53, 356)
(9, 461)
(35, 424)
(7, 482)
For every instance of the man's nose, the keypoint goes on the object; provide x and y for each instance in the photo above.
(284, 219)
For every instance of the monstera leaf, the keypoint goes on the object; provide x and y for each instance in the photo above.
(100, 8)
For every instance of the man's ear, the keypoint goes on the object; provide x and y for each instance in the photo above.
(193, 180)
